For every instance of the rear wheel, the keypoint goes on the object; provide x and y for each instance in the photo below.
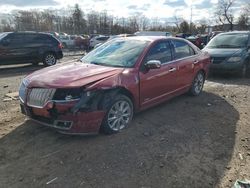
(118, 116)
(197, 84)
(49, 59)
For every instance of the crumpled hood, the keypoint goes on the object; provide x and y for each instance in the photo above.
(226, 52)
(75, 74)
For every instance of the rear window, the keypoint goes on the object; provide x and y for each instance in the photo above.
(16, 38)
(43, 38)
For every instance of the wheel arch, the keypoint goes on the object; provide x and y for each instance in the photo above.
(120, 90)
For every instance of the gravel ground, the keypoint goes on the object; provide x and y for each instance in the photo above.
(186, 142)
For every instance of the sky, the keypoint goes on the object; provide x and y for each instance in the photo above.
(163, 9)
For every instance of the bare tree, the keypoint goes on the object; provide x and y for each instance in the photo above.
(184, 27)
(177, 22)
(143, 23)
(243, 21)
(224, 12)
(133, 24)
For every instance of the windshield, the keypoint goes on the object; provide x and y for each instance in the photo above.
(2, 35)
(116, 53)
(229, 41)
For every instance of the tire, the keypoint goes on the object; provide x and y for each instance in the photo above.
(118, 116)
(49, 59)
(197, 84)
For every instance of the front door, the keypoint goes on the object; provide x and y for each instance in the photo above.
(157, 84)
(14, 48)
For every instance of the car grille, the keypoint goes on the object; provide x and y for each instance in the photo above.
(38, 97)
(218, 60)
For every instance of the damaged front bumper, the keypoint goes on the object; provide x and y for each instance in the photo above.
(66, 117)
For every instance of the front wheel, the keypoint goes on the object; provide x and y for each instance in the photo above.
(49, 59)
(197, 84)
(118, 116)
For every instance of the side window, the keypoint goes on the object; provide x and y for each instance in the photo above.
(16, 39)
(182, 49)
(161, 51)
(44, 39)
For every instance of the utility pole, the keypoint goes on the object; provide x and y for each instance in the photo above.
(191, 19)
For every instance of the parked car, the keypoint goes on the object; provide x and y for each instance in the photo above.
(153, 33)
(112, 82)
(54, 34)
(230, 52)
(82, 42)
(196, 40)
(119, 36)
(97, 40)
(214, 33)
(29, 47)
(183, 35)
(205, 39)
(68, 41)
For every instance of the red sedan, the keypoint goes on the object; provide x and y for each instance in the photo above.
(112, 82)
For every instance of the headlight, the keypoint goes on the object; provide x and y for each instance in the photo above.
(22, 89)
(234, 59)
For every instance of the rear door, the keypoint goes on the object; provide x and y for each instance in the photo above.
(31, 46)
(3, 49)
(157, 84)
(14, 48)
(186, 59)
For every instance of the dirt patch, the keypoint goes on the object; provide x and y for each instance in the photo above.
(187, 142)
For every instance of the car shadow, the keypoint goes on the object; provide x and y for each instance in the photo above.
(182, 143)
(229, 79)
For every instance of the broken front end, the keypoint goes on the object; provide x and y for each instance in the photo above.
(71, 111)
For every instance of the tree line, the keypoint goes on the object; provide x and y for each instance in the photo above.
(74, 21)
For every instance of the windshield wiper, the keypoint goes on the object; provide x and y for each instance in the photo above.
(95, 63)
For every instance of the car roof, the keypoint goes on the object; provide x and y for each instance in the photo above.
(31, 32)
(236, 32)
(152, 38)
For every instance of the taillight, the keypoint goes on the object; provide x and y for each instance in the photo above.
(60, 45)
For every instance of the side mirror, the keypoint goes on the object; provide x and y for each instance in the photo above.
(153, 64)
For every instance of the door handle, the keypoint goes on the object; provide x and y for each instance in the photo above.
(195, 62)
(172, 70)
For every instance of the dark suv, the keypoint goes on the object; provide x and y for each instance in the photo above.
(29, 47)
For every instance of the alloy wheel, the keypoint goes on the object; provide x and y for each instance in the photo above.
(119, 115)
(50, 59)
(198, 83)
